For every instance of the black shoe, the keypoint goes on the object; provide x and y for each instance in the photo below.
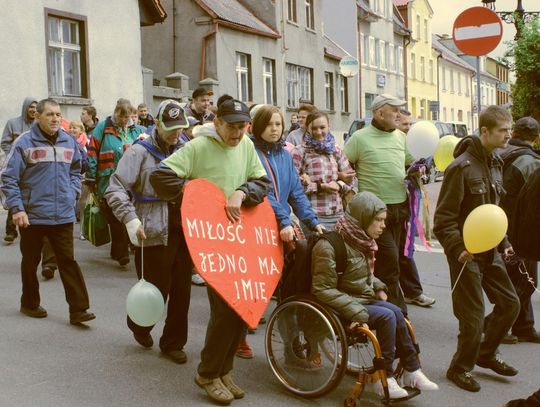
(47, 273)
(533, 337)
(498, 365)
(177, 356)
(80, 316)
(145, 341)
(463, 380)
(123, 260)
(10, 237)
(509, 339)
(38, 312)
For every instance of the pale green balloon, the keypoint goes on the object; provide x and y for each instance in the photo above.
(444, 153)
(145, 304)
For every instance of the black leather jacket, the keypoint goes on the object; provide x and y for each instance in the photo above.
(474, 178)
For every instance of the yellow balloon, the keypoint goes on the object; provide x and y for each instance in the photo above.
(484, 228)
(444, 153)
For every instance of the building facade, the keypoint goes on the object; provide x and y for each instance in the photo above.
(259, 51)
(501, 71)
(77, 52)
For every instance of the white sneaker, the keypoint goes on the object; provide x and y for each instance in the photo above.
(418, 380)
(197, 280)
(394, 390)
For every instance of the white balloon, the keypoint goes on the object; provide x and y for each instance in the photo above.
(422, 139)
(145, 304)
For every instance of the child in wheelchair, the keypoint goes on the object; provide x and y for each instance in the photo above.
(359, 297)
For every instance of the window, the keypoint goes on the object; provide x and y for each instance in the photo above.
(431, 72)
(291, 11)
(66, 54)
(400, 60)
(459, 82)
(243, 77)
(451, 74)
(413, 66)
(418, 27)
(269, 83)
(443, 78)
(423, 103)
(382, 55)
(467, 89)
(452, 115)
(391, 58)
(426, 30)
(372, 59)
(422, 69)
(329, 91)
(310, 15)
(299, 84)
(364, 44)
(445, 116)
(344, 93)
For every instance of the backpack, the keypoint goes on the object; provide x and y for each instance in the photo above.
(297, 271)
(525, 236)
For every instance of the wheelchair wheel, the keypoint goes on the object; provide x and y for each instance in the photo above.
(302, 341)
(361, 354)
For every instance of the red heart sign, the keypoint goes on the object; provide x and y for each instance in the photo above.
(242, 261)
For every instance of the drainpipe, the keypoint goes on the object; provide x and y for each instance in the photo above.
(406, 42)
(438, 90)
(359, 51)
(203, 51)
(283, 55)
(174, 36)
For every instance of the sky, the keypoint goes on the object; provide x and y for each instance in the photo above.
(444, 16)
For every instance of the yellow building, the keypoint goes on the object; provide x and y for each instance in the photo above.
(421, 58)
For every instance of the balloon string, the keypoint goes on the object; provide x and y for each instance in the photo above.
(526, 274)
(142, 255)
(459, 276)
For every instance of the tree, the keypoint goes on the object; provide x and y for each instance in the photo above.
(526, 55)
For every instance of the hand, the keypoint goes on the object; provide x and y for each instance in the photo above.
(346, 176)
(305, 180)
(91, 187)
(20, 219)
(508, 253)
(320, 229)
(287, 234)
(233, 205)
(381, 295)
(465, 256)
(140, 233)
(355, 325)
(330, 187)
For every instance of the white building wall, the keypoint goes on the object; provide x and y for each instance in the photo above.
(114, 53)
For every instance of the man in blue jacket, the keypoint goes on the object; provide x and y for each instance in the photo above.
(41, 182)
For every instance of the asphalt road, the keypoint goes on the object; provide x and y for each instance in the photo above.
(49, 363)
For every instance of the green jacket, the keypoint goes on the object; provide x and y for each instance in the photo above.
(106, 147)
(348, 293)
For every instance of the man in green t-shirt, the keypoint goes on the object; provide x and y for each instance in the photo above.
(379, 154)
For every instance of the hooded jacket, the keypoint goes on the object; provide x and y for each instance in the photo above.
(474, 178)
(42, 178)
(357, 286)
(16, 126)
(130, 194)
(286, 186)
(207, 156)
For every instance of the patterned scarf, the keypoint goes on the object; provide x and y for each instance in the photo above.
(356, 237)
(326, 146)
(269, 147)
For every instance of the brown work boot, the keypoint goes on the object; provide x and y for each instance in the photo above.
(215, 389)
(236, 391)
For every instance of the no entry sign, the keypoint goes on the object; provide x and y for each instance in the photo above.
(477, 31)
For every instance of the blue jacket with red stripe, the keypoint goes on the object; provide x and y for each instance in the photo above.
(42, 178)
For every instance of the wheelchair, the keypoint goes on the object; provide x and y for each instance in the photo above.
(309, 351)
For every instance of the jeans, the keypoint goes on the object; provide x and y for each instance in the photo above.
(393, 336)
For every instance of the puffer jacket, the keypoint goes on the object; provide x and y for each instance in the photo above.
(286, 186)
(42, 178)
(474, 178)
(354, 288)
(130, 194)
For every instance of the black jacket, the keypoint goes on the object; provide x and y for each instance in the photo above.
(474, 178)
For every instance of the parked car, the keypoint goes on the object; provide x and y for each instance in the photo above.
(445, 129)
(459, 129)
(357, 124)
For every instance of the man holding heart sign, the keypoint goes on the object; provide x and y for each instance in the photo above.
(221, 154)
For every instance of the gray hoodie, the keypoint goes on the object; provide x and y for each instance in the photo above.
(16, 126)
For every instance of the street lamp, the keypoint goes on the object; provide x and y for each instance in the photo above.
(517, 17)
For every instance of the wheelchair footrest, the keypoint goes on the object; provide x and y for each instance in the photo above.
(412, 392)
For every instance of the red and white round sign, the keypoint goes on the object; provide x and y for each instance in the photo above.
(477, 31)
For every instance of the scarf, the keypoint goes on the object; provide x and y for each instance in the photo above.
(269, 147)
(356, 237)
(326, 146)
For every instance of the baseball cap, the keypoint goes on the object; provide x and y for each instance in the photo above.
(201, 92)
(193, 121)
(232, 111)
(526, 126)
(386, 99)
(172, 116)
